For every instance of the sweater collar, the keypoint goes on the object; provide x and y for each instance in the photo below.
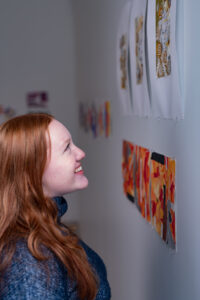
(61, 205)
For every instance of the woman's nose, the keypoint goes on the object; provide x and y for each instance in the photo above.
(80, 154)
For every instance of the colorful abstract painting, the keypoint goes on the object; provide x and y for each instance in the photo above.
(149, 182)
(137, 177)
(145, 183)
(139, 31)
(127, 169)
(95, 118)
(163, 55)
(163, 197)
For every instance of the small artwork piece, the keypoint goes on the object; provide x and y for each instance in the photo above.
(163, 55)
(162, 197)
(145, 183)
(139, 31)
(37, 101)
(7, 112)
(123, 61)
(127, 169)
(96, 118)
(149, 182)
(163, 68)
(138, 61)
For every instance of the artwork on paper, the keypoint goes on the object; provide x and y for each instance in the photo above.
(139, 31)
(171, 220)
(163, 55)
(127, 169)
(163, 67)
(138, 61)
(7, 112)
(163, 197)
(158, 193)
(149, 182)
(37, 101)
(123, 61)
(95, 118)
(137, 177)
(145, 183)
(123, 80)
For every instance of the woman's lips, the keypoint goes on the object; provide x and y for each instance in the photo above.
(79, 170)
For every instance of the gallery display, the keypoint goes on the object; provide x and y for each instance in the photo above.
(147, 60)
(149, 182)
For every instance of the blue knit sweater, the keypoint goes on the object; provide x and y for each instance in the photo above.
(28, 279)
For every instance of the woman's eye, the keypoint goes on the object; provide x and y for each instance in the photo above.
(67, 148)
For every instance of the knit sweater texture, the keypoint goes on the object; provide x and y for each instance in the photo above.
(30, 279)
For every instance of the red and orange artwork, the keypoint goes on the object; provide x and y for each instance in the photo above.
(158, 192)
(163, 197)
(149, 182)
(127, 169)
(137, 177)
(145, 183)
(171, 168)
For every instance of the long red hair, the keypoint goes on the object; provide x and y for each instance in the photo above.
(25, 212)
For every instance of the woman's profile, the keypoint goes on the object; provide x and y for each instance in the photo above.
(39, 257)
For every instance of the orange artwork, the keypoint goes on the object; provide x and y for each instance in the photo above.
(158, 184)
(145, 183)
(137, 179)
(163, 197)
(149, 182)
(127, 170)
(171, 228)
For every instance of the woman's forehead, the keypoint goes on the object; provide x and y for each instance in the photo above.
(58, 133)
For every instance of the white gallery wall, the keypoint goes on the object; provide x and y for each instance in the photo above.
(37, 54)
(140, 266)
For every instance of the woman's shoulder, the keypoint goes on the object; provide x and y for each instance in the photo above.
(104, 292)
(29, 278)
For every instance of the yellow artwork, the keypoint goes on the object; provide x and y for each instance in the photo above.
(139, 29)
(123, 61)
(163, 55)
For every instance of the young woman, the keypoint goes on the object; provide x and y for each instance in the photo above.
(39, 257)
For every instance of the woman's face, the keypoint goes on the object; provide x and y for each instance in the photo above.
(63, 173)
